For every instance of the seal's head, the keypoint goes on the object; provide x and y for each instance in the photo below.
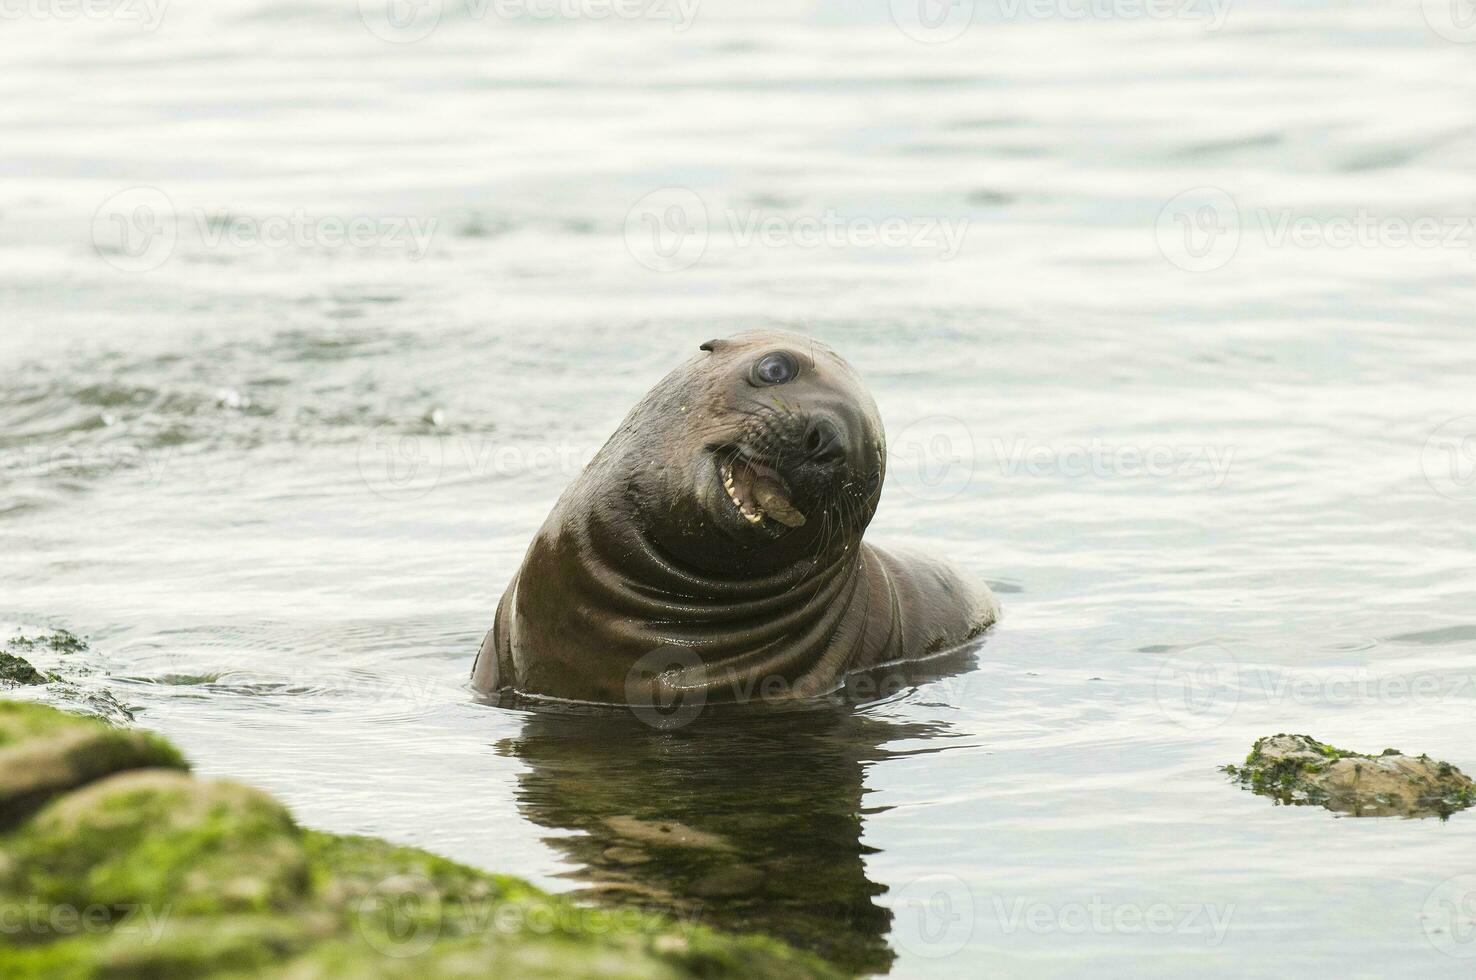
(770, 450)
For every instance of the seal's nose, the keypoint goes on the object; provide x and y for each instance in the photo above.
(823, 442)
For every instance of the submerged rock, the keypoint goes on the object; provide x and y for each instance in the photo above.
(1299, 770)
(115, 862)
(666, 833)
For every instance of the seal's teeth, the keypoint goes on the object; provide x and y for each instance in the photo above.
(751, 516)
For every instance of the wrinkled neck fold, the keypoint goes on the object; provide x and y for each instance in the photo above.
(781, 625)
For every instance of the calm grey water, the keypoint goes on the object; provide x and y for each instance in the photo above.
(1169, 319)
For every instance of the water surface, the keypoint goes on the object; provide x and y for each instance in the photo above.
(281, 483)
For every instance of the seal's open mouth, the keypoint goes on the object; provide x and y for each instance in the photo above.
(758, 491)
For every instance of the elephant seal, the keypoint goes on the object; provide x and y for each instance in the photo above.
(712, 547)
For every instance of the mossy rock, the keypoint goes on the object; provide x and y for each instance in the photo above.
(18, 671)
(157, 836)
(44, 752)
(1299, 770)
(142, 871)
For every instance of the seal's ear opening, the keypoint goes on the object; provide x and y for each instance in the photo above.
(710, 346)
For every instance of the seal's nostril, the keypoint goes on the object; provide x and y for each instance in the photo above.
(823, 442)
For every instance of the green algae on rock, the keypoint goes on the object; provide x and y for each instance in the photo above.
(17, 670)
(131, 867)
(62, 641)
(44, 752)
(73, 688)
(1298, 770)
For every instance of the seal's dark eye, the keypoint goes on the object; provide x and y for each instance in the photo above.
(774, 369)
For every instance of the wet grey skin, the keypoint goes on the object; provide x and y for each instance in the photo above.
(713, 547)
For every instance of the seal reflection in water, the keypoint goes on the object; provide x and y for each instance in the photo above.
(744, 819)
(713, 546)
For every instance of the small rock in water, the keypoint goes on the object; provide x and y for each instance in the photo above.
(666, 833)
(1299, 770)
(626, 855)
(730, 882)
(98, 703)
(15, 671)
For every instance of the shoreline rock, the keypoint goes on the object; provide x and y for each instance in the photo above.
(115, 861)
(1298, 770)
(66, 678)
(17, 671)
